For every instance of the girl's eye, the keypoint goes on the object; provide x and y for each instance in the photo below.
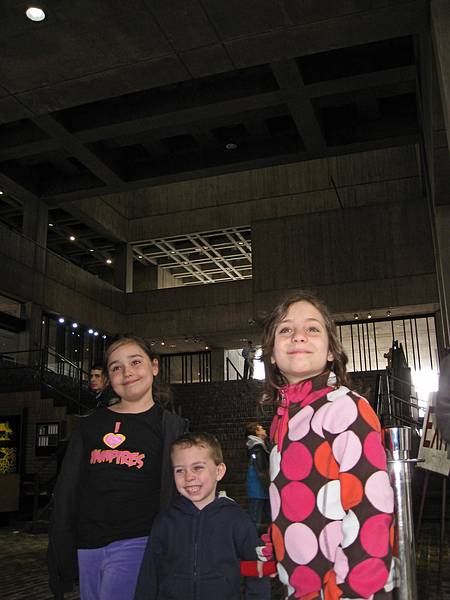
(313, 329)
(284, 330)
(136, 362)
(178, 471)
(198, 468)
(115, 368)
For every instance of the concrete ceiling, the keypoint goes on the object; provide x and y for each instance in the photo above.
(111, 96)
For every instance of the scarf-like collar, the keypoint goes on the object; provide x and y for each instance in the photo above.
(302, 393)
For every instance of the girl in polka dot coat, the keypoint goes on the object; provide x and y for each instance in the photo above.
(331, 500)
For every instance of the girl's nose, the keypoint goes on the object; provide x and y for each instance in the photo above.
(298, 336)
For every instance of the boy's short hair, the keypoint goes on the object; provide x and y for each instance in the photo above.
(250, 428)
(200, 438)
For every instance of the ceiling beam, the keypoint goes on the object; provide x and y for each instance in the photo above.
(77, 149)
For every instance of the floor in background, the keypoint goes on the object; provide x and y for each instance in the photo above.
(24, 571)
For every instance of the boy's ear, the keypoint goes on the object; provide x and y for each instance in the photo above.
(221, 470)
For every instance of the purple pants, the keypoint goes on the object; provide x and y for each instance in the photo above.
(111, 572)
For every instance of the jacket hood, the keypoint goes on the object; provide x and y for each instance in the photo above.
(187, 507)
(254, 440)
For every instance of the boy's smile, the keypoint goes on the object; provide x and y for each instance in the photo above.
(196, 474)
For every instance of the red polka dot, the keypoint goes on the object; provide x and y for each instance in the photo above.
(278, 542)
(305, 581)
(374, 451)
(296, 462)
(368, 415)
(374, 535)
(351, 490)
(297, 501)
(325, 463)
(368, 577)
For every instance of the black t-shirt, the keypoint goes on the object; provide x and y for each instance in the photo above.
(120, 486)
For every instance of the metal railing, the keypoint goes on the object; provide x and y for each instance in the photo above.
(230, 365)
(397, 403)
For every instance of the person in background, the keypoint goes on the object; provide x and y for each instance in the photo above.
(248, 354)
(257, 474)
(100, 387)
(331, 499)
(115, 477)
(196, 546)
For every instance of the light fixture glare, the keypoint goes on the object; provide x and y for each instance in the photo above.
(34, 13)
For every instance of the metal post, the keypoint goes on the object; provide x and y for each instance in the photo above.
(398, 447)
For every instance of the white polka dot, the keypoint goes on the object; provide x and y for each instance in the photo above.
(329, 501)
(275, 502)
(330, 538)
(275, 460)
(341, 567)
(350, 527)
(299, 425)
(379, 492)
(284, 578)
(347, 450)
(301, 543)
(340, 415)
(394, 575)
(337, 393)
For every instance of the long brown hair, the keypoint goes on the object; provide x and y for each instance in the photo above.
(274, 378)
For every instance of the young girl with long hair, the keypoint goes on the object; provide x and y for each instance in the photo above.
(115, 477)
(331, 500)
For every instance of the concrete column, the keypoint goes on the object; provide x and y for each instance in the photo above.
(440, 30)
(35, 226)
(145, 277)
(217, 364)
(123, 268)
(443, 239)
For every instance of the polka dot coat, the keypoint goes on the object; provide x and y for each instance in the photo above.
(331, 500)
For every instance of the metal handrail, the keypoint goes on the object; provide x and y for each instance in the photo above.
(230, 362)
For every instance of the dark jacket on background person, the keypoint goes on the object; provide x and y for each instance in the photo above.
(62, 548)
(258, 468)
(195, 554)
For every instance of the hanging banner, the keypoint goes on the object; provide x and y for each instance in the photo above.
(433, 448)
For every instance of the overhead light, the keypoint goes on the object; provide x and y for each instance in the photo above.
(91, 249)
(108, 261)
(74, 325)
(152, 343)
(388, 313)
(241, 243)
(61, 319)
(369, 315)
(163, 343)
(96, 333)
(103, 337)
(34, 13)
(50, 224)
(206, 347)
(1, 193)
(172, 252)
(72, 238)
(356, 316)
(140, 256)
(231, 146)
(91, 331)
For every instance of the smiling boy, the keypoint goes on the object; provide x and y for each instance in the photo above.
(195, 547)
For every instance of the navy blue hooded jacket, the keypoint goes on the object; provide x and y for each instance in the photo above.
(195, 554)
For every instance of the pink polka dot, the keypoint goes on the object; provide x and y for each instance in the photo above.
(374, 451)
(329, 539)
(274, 496)
(301, 543)
(375, 535)
(379, 492)
(299, 425)
(347, 450)
(340, 415)
(340, 565)
(297, 500)
(296, 462)
(305, 581)
(368, 577)
(317, 420)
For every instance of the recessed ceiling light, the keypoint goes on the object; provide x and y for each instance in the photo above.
(61, 319)
(140, 256)
(1, 193)
(91, 249)
(91, 331)
(231, 146)
(369, 315)
(50, 224)
(103, 337)
(72, 238)
(74, 325)
(96, 333)
(108, 261)
(34, 13)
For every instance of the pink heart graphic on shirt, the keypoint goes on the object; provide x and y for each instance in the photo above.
(114, 439)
